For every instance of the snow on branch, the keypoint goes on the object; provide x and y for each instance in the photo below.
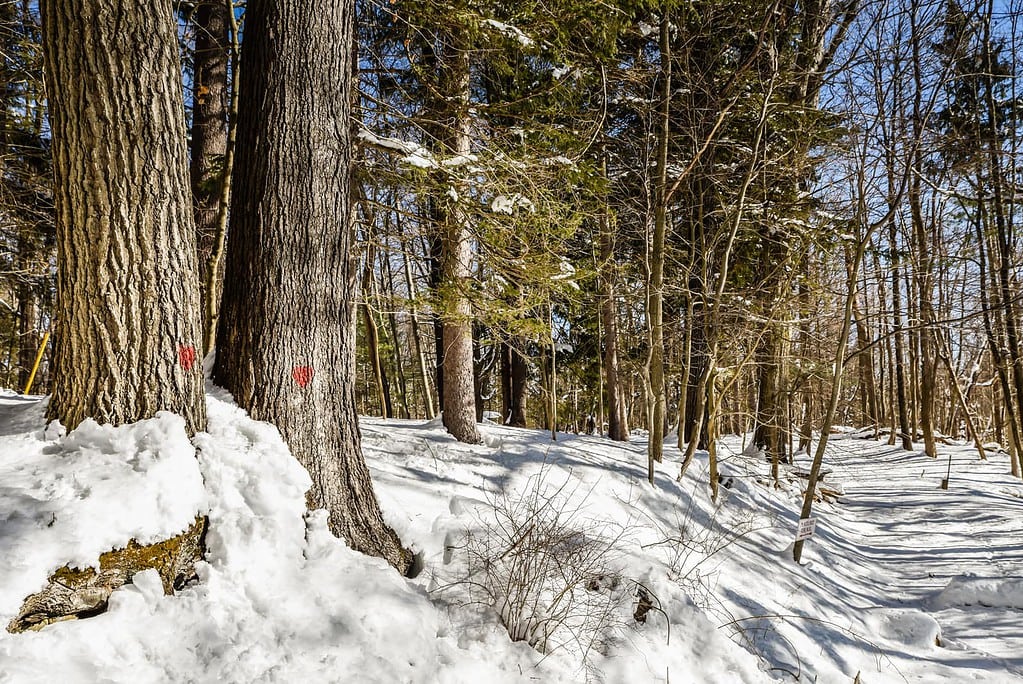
(412, 153)
(510, 31)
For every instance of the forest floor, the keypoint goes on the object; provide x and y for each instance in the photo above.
(564, 542)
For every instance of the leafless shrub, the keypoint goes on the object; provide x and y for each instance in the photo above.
(548, 570)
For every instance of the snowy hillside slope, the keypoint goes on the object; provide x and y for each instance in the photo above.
(902, 582)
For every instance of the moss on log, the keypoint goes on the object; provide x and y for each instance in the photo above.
(74, 593)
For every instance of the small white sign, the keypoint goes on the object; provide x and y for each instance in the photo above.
(805, 529)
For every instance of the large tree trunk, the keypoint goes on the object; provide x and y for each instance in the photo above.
(286, 339)
(459, 400)
(771, 433)
(127, 308)
(128, 335)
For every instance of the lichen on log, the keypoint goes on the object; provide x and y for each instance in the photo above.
(74, 593)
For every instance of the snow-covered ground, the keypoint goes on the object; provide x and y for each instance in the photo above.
(564, 541)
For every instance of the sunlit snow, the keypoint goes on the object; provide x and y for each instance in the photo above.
(903, 581)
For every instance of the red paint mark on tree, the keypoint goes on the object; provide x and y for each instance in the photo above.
(186, 356)
(303, 375)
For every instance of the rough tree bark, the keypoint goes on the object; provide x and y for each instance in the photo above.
(458, 398)
(128, 335)
(127, 304)
(285, 342)
(209, 128)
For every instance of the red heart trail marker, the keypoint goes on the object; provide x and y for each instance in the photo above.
(303, 375)
(186, 356)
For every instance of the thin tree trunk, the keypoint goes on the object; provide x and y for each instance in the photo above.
(28, 318)
(806, 429)
(712, 435)
(392, 320)
(961, 397)
(720, 274)
(658, 398)
(683, 382)
(518, 377)
(505, 370)
(417, 342)
(479, 368)
(1004, 243)
(881, 362)
(210, 102)
(923, 269)
(436, 256)
(212, 269)
(989, 305)
(617, 412)
(836, 387)
(913, 351)
(900, 354)
(865, 361)
(887, 354)
(372, 333)
(554, 374)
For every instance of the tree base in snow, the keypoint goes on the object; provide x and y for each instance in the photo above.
(72, 593)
